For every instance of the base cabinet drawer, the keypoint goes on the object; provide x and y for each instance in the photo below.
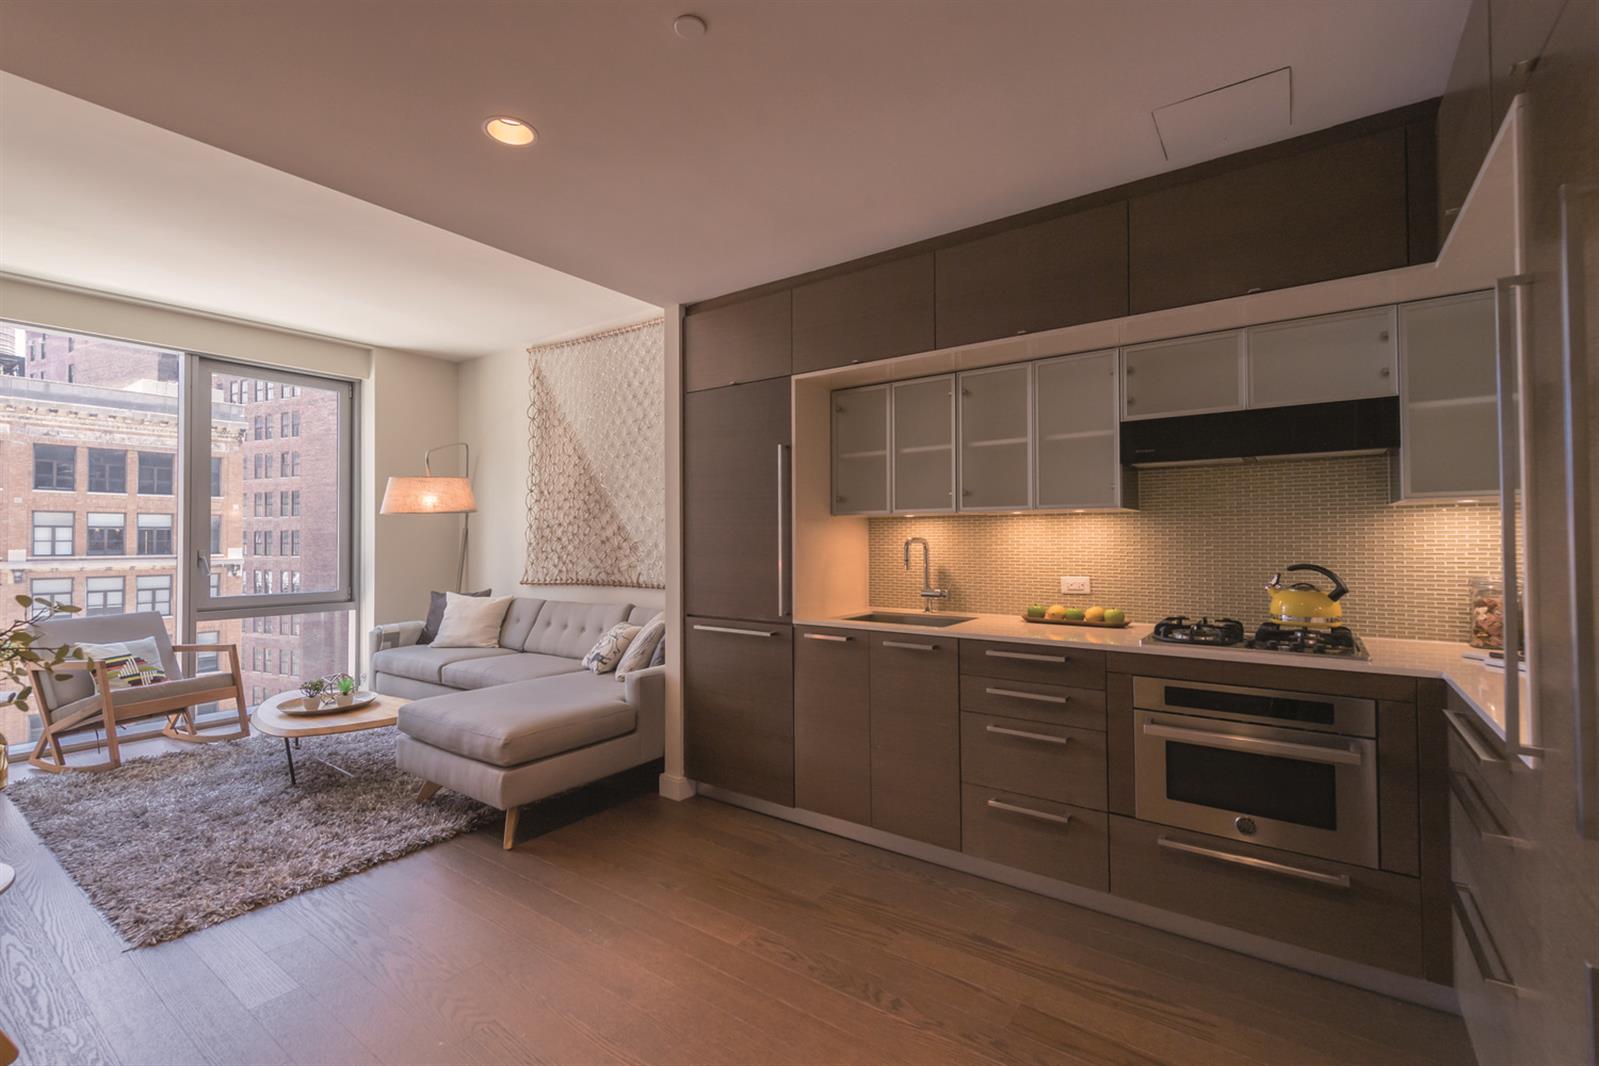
(738, 707)
(1352, 912)
(832, 724)
(1082, 708)
(916, 757)
(1034, 662)
(1053, 839)
(1034, 758)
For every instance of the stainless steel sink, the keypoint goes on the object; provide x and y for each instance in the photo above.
(933, 621)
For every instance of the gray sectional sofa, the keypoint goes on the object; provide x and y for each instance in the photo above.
(513, 724)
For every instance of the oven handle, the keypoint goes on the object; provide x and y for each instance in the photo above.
(1237, 742)
(1264, 865)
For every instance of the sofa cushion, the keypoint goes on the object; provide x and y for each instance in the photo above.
(424, 662)
(518, 620)
(570, 629)
(509, 725)
(641, 614)
(506, 669)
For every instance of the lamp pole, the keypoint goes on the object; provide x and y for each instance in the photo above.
(466, 516)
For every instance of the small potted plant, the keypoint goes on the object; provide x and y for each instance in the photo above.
(343, 686)
(313, 690)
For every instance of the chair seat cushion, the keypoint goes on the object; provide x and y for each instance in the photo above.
(508, 725)
(424, 662)
(129, 698)
(506, 669)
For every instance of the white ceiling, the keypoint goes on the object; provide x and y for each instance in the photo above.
(797, 133)
(95, 199)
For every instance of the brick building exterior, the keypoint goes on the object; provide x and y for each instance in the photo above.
(89, 473)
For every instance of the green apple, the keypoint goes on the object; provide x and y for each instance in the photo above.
(1035, 610)
(1074, 614)
(1115, 616)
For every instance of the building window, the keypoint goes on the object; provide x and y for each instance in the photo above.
(216, 477)
(155, 473)
(263, 427)
(215, 581)
(153, 592)
(262, 542)
(52, 533)
(54, 467)
(72, 373)
(294, 501)
(267, 464)
(108, 470)
(207, 661)
(295, 456)
(103, 595)
(216, 534)
(107, 533)
(289, 542)
(166, 367)
(257, 694)
(57, 590)
(255, 465)
(284, 466)
(155, 534)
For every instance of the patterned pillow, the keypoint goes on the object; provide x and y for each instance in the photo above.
(658, 657)
(607, 651)
(638, 653)
(131, 664)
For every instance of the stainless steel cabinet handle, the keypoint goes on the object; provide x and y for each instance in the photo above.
(1239, 742)
(735, 632)
(1028, 812)
(1025, 735)
(827, 636)
(1477, 812)
(1036, 697)
(1468, 734)
(782, 530)
(1299, 873)
(1026, 656)
(909, 646)
(1480, 942)
(1511, 368)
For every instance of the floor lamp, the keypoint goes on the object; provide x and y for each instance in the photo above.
(430, 494)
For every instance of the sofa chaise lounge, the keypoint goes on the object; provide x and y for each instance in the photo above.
(521, 721)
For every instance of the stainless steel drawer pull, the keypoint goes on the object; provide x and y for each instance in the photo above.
(1477, 812)
(735, 632)
(827, 636)
(1483, 950)
(909, 646)
(1028, 812)
(1025, 656)
(1025, 735)
(1471, 738)
(1299, 873)
(1239, 742)
(1036, 697)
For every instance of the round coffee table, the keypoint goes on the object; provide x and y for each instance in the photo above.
(270, 718)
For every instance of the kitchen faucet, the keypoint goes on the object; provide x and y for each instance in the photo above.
(929, 593)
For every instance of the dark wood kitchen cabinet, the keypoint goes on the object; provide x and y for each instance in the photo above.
(738, 707)
(1465, 117)
(1044, 275)
(1330, 211)
(873, 313)
(1518, 30)
(832, 723)
(748, 340)
(735, 479)
(915, 737)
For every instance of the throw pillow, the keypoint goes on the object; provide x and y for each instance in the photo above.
(130, 664)
(659, 656)
(430, 625)
(608, 650)
(471, 621)
(638, 653)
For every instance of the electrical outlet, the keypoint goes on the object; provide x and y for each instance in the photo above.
(1076, 584)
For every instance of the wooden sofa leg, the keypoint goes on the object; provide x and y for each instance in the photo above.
(428, 789)
(510, 827)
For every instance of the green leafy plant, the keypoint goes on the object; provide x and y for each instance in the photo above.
(313, 688)
(19, 650)
(346, 685)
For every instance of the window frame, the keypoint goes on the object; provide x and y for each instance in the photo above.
(122, 471)
(71, 465)
(54, 538)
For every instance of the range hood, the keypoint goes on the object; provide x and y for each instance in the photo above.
(1349, 426)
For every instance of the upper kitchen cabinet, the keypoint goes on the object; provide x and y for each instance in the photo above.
(1038, 276)
(860, 450)
(1186, 376)
(744, 341)
(1517, 33)
(1075, 410)
(995, 435)
(1465, 117)
(1350, 356)
(1449, 430)
(923, 428)
(873, 313)
(735, 501)
(1329, 211)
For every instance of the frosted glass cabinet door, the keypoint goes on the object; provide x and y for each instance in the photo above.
(1077, 460)
(996, 439)
(1351, 356)
(1188, 376)
(1449, 433)
(924, 445)
(860, 450)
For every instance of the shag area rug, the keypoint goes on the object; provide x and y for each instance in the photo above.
(176, 842)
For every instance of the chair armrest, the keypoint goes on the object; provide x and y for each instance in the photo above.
(232, 650)
(392, 635)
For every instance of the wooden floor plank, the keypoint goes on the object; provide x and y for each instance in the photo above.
(136, 1021)
(210, 1015)
(240, 964)
(310, 1031)
(41, 1008)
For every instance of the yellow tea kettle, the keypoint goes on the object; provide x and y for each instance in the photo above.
(1303, 604)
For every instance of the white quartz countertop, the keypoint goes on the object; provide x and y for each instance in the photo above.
(1481, 687)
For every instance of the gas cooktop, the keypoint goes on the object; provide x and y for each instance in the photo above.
(1337, 642)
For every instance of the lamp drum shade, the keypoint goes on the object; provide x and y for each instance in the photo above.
(428, 495)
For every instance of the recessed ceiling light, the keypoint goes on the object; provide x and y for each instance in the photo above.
(508, 130)
(689, 27)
